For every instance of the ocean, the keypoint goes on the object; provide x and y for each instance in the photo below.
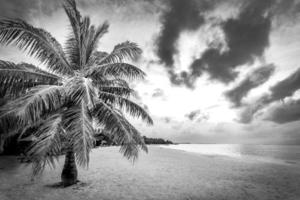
(273, 153)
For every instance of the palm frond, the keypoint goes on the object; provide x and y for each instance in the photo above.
(80, 88)
(47, 144)
(120, 130)
(8, 125)
(72, 52)
(73, 44)
(74, 17)
(127, 105)
(96, 57)
(121, 52)
(129, 149)
(81, 48)
(93, 38)
(15, 79)
(38, 101)
(37, 42)
(78, 124)
(117, 70)
(117, 82)
(120, 91)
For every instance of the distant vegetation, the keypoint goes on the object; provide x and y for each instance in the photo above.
(156, 141)
(105, 140)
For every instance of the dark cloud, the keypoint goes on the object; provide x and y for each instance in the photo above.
(180, 16)
(253, 80)
(182, 79)
(285, 88)
(285, 112)
(287, 11)
(247, 114)
(247, 36)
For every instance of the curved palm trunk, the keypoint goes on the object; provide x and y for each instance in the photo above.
(69, 173)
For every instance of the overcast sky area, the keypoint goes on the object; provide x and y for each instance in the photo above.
(218, 71)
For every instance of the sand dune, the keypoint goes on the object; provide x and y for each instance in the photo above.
(160, 174)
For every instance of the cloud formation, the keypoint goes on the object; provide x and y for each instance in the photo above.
(158, 93)
(247, 37)
(253, 80)
(247, 114)
(192, 115)
(180, 16)
(197, 115)
(285, 112)
(25, 9)
(285, 88)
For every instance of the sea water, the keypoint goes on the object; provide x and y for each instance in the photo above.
(286, 153)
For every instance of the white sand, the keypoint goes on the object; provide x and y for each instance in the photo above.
(160, 174)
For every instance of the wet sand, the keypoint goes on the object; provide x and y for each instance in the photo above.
(160, 174)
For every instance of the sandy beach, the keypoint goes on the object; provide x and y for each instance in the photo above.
(160, 174)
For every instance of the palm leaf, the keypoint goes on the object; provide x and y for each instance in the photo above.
(40, 100)
(117, 70)
(121, 52)
(8, 125)
(96, 57)
(78, 123)
(120, 130)
(130, 107)
(72, 52)
(81, 48)
(121, 91)
(93, 38)
(37, 42)
(47, 144)
(73, 44)
(80, 88)
(74, 17)
(15, 79)
(113, 82)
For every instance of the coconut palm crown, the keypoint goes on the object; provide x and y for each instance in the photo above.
(80, 89)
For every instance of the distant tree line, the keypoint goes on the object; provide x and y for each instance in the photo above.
(156, 141)
(103, 139)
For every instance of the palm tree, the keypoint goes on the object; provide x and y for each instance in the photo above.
(81, 90)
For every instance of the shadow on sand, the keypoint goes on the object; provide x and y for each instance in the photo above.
(9, 163)
(77, 186)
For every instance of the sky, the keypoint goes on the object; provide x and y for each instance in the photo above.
(218, 71)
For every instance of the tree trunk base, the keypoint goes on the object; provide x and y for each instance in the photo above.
(69, 173)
